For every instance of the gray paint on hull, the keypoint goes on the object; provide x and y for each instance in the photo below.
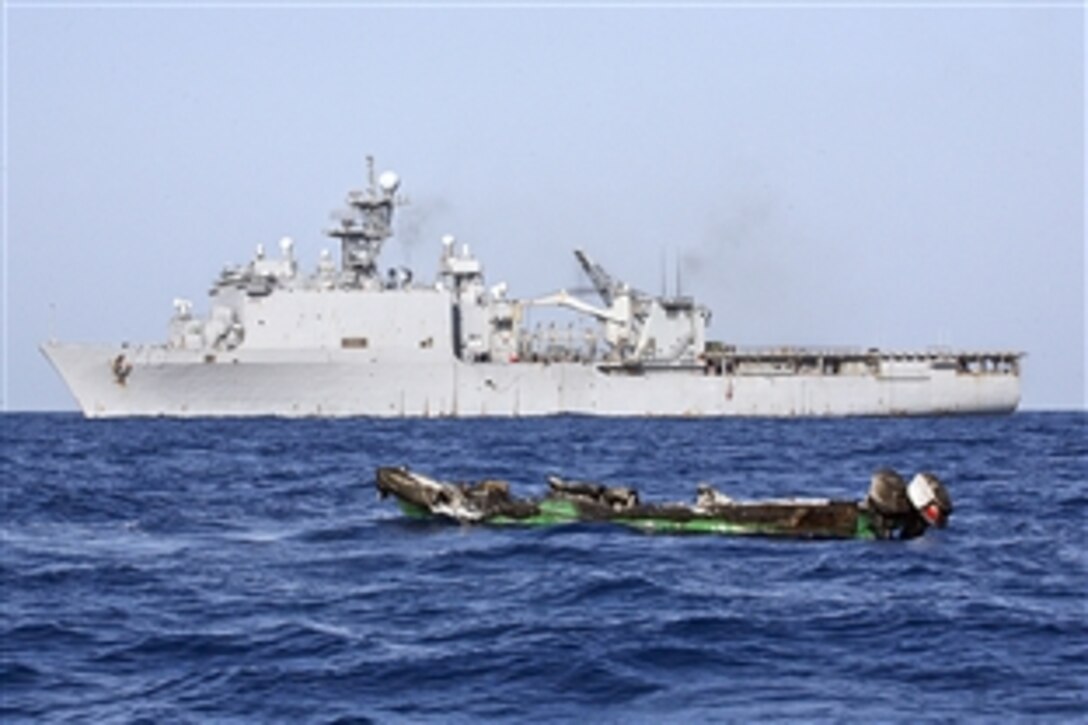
(170, 382)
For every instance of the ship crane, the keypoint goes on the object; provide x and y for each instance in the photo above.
(606, 286)
(616, 320)
(562, 298)
(635, 303)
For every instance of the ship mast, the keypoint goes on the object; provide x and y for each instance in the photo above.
(367, 223)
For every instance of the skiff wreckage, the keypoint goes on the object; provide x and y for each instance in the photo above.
(355, 339)
(892, 509)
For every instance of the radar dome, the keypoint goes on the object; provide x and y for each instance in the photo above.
(389, 181)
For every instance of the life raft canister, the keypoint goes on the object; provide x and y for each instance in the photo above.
(930, 498)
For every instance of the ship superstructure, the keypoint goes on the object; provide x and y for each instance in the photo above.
(354, 339)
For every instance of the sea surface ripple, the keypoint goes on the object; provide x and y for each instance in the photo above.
(210, 570)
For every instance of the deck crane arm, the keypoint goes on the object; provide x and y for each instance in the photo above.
(604, 283)
(564, 299)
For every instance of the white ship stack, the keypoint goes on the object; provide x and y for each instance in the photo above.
(356, 340)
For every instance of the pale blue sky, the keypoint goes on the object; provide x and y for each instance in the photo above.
(871, 175)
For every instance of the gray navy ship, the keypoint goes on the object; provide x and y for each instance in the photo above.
(356, 340)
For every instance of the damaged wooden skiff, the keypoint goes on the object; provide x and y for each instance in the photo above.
(891, 509)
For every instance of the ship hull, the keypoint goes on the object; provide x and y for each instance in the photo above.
(108, 381)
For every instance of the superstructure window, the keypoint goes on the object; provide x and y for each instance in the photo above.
(353, 342)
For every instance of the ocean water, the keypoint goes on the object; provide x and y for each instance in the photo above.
(234, 570)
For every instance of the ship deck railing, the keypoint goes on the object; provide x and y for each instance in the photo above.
(855, 353)
(727, 360)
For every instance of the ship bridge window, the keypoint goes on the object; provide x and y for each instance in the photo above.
(353, 342)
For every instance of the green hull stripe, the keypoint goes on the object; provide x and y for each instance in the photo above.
(554, 513)
(413, 511)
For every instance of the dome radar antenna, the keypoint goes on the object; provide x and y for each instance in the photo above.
(389, 182)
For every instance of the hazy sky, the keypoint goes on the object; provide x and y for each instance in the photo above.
(867, 175)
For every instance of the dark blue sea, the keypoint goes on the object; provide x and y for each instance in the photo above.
(230, 570)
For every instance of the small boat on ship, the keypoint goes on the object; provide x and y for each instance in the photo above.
(892, 508)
